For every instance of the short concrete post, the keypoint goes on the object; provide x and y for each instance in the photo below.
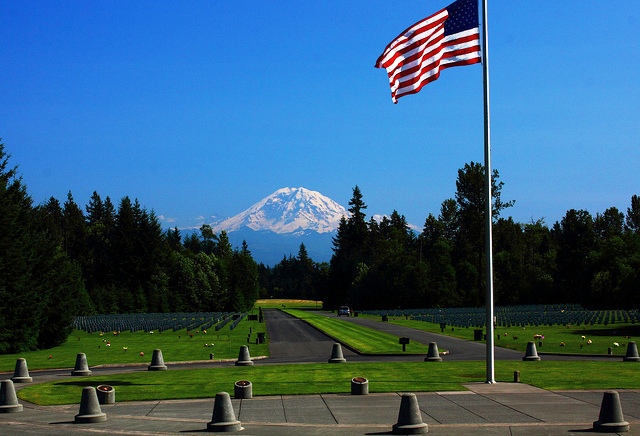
(433, 355)
(223, 419)
(611, 419)
(21, 373)
(81, 368)
(336, 354)
(243, 390)
(157, 361)
(409, 417)
(359, 386)
(8, 399)
(90, 411)
(244, 359)
(632, 353)
(531, 353)
(516, 376)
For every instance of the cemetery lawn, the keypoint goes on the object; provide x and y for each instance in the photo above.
(282, 303)
(125, 347)
(324, 378)
(362, 339)
(558, 339)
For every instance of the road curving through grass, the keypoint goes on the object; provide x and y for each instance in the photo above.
(362, 339)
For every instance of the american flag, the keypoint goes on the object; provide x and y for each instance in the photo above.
(448, 38)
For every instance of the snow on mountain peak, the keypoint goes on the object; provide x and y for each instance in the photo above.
(288, 210)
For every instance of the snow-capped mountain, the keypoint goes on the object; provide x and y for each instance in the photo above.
(275, 226)
(288, 211)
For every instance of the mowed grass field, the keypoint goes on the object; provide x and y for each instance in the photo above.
(322, 378)
(363, 339)
(126, 347)
(570, 339)
(178, 346)
(138, 384)
(280, 303)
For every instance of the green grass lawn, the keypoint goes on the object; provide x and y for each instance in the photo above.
(140, 384)
(363, 339)
(126, 347)
(584, 339)
(335, 378)
(282, 303)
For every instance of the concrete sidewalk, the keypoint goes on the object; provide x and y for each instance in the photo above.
(486, 409)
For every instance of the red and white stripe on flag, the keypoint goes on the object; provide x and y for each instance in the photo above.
(448, 38)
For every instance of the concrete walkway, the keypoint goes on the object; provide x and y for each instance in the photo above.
(485, 409)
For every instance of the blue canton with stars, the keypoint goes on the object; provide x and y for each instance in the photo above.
(463, 15)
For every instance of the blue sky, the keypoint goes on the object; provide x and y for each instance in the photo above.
(204, 108)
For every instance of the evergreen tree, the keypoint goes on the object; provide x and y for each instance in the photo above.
(349, 250)
(40, 287)
(174, 239)
(632, 221)
(192, 243)
(75, 231)
(470, 239)
(575, 237)
(539, 258)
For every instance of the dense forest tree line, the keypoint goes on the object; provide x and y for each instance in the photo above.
(130, 265)
(296, 277)
(57, 261)
(583, 259)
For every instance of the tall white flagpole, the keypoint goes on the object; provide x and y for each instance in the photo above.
(488, 200)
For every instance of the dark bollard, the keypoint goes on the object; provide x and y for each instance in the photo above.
(8, 399)
(81, 368)
(516, 376)
(224, 419)
(531, 353)
(157, 361)
(409, 417)
(336, 354)
(243, 357)
(632, 353)
(433, 355)
(21, 373)
(90, 411)
(611, 419)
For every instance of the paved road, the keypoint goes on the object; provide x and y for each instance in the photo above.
(458, 349)
(309, 345)
(293, 340)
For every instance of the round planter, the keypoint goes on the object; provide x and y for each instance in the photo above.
(359, 386)
(106, 394)
(243, 390)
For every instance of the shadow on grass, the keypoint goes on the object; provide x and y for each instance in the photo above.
(88, 382)
(628, 330)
